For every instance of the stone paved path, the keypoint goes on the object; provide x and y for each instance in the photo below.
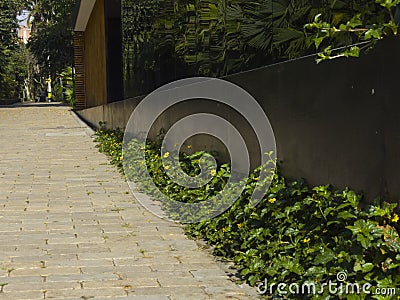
(69, 228)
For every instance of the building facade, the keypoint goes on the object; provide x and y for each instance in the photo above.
(97, 45)
(24, 33)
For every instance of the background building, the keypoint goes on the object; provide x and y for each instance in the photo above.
(24, 33)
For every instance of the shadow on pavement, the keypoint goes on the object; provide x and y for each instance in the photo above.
(34, 104)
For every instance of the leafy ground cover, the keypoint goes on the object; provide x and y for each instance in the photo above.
(296, 235)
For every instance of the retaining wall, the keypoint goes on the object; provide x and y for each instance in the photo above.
(337, 122)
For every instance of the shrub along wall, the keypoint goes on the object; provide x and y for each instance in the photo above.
(295, 235)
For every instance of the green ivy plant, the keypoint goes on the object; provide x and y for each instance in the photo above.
(371, 21)
(296, 234)
(109, 142)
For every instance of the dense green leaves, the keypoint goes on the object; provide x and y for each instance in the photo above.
(50, 46)
(9, 10)
(165, 39)
(51, 42)
(20, 74)
(295, 235)
(364, 23)
(211, 37)
(110, 143)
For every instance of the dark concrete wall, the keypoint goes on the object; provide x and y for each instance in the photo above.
(115, 115)
(337, 122)
(113, 33)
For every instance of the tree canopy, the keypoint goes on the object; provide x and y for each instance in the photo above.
(50, 48)
(51, 42)
(9, 10)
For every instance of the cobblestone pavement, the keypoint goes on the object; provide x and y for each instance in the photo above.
(70, 229)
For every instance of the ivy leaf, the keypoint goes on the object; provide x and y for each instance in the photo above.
(355, 21)
(352, 52)
(325, 257)
(346, 215)
(367, 267)
(372, 33)
(365, 242)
